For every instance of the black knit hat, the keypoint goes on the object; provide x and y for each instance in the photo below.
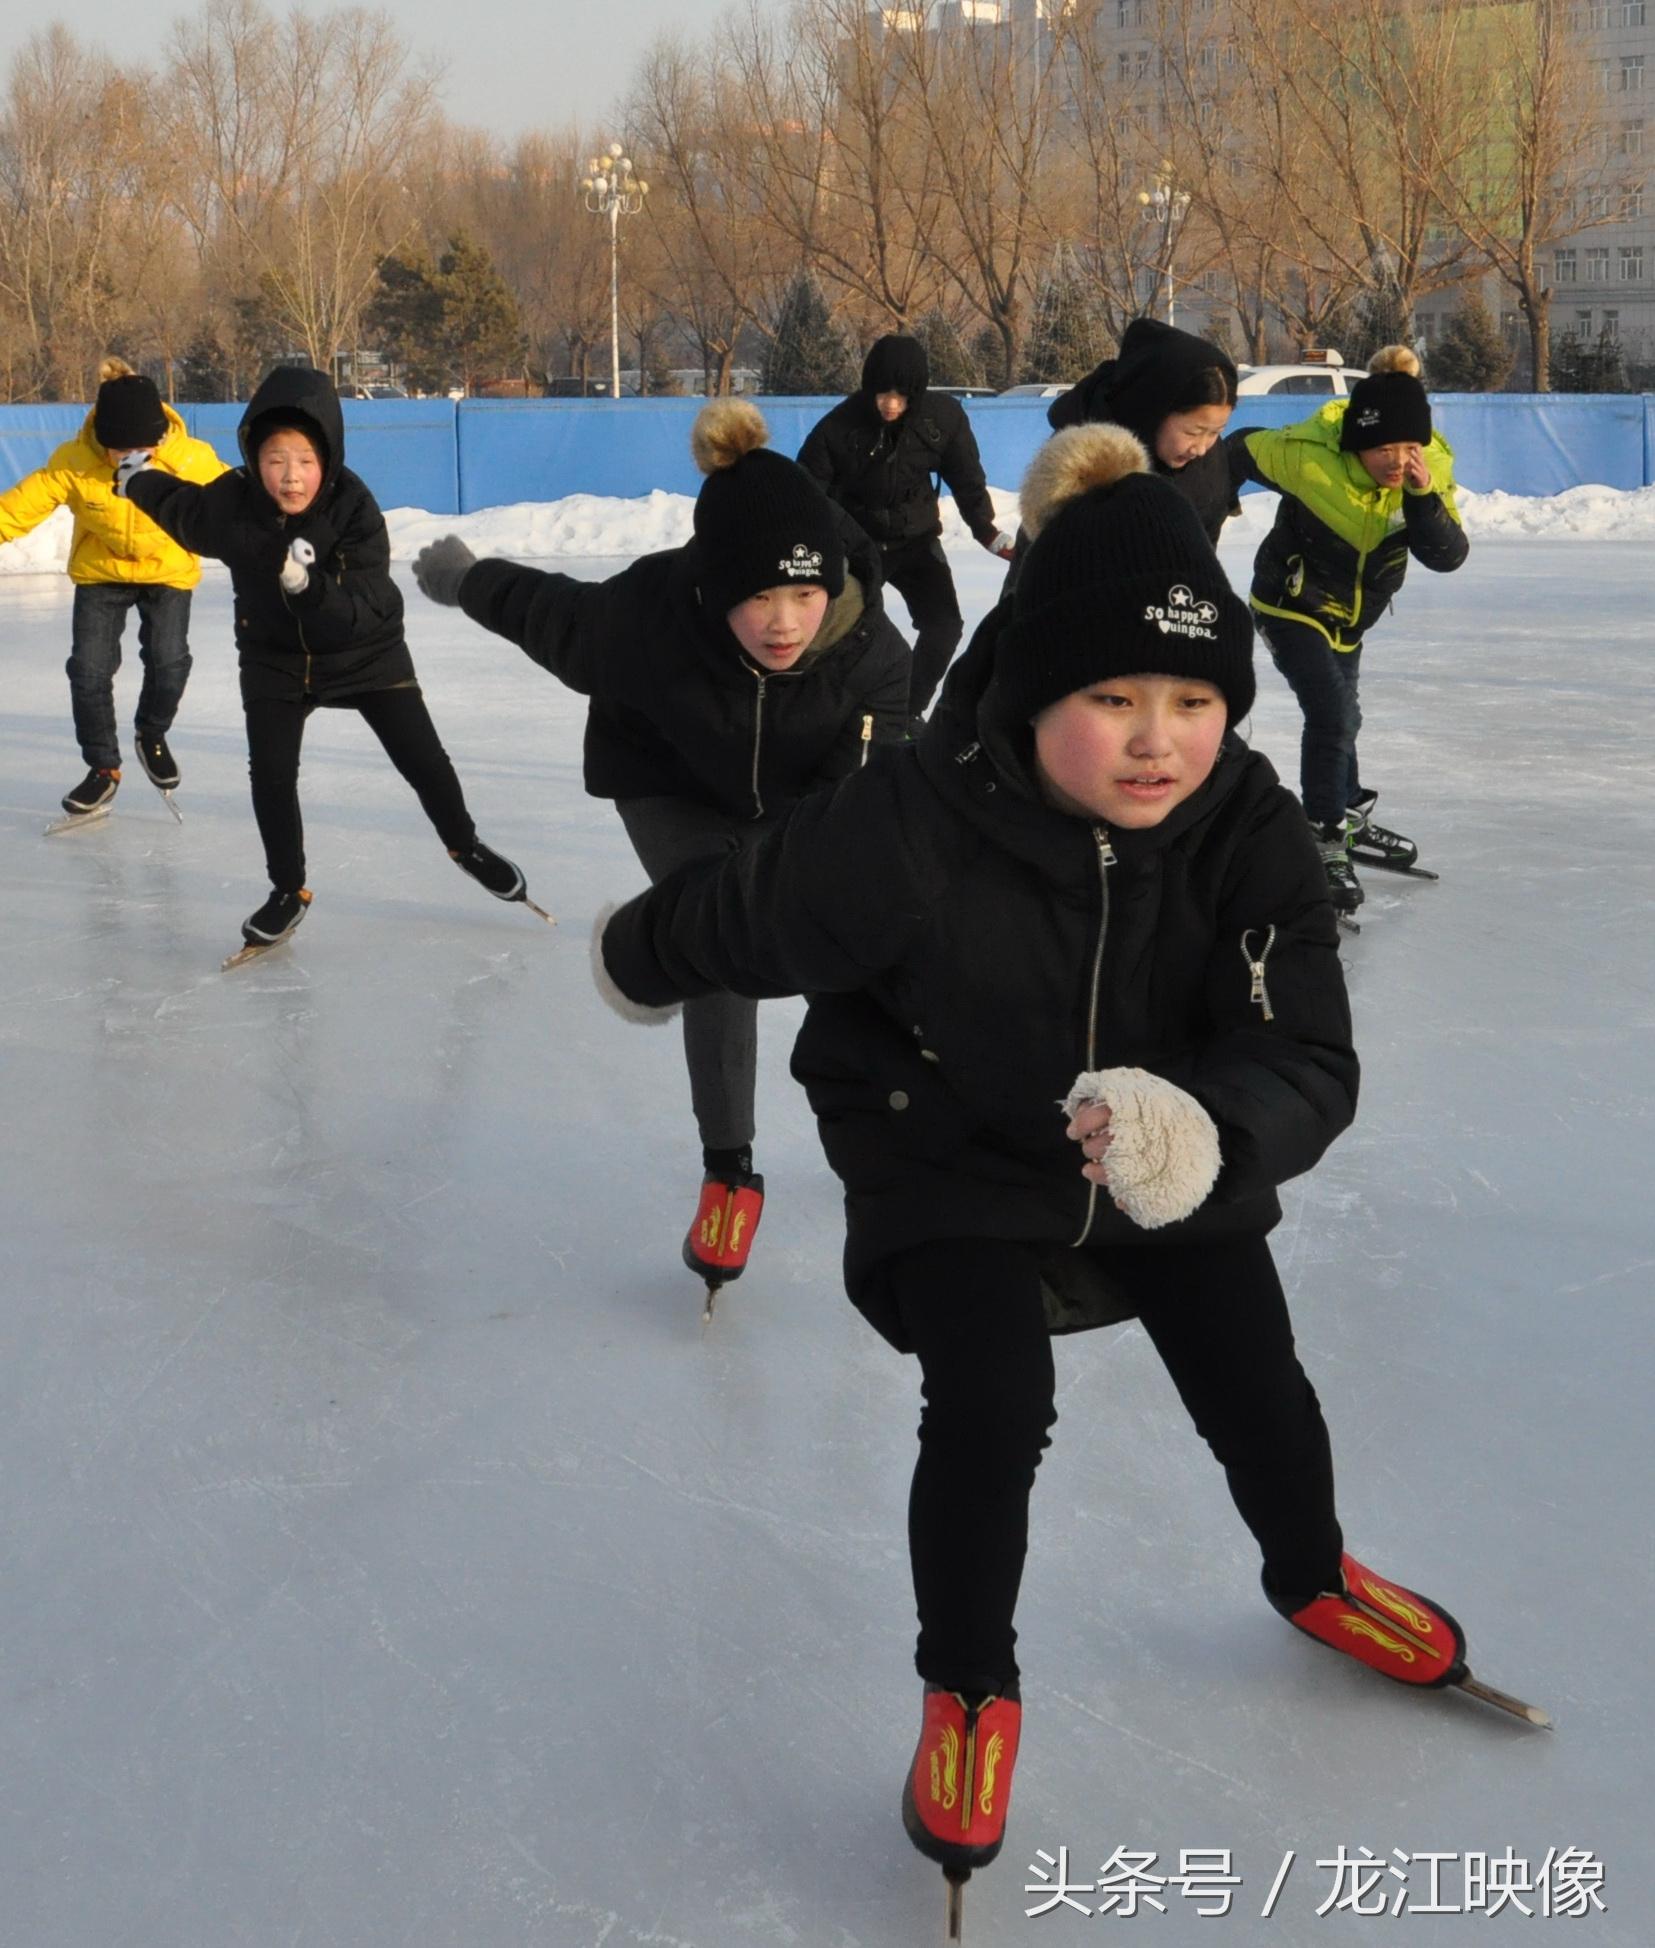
(128, 413)
(1120, 580)
(760, 520)
(1389, 406)
(896, 363)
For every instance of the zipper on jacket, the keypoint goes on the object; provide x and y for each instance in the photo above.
(758, 739)
(1258, 994)
(867, 735)
(1106, 858)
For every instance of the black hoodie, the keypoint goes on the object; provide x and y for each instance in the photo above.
(884, 473)
(1153, 375)
(967, 950)
(343, 633)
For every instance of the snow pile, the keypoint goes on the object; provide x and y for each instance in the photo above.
(596, 526)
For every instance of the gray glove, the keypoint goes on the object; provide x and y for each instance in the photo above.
(137, 461)
(295, 576)
(440, 567)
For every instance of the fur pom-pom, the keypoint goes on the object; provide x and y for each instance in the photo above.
(1395, 358)
(725, 432)
(1074, 462)
(604, 982)
(114, 368)
(1163, 1156)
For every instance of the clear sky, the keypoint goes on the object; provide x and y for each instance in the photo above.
(510, 66)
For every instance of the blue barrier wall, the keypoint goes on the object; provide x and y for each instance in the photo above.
(456, 458)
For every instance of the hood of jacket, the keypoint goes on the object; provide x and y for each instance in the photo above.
(1148, 378)
(896, 363)
(304, 397)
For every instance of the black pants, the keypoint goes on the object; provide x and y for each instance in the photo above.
(1324, 680)
(1218, 1319)
(918, 571)
(401, 722)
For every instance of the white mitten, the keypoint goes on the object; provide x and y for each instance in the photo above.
(135, 461)
(1004, 545)
(603, 980)
(296, 569)
(1163, 1156)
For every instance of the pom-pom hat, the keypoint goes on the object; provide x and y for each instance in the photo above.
(127, 412)
(760, 520)
(1120, 580)
(1389, 406)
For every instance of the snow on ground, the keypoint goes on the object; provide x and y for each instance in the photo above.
(393, 1561)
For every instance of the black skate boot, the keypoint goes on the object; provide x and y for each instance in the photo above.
(276, 919)
(93, 793)
(1376, 845)
(497, 875)
(1344, 888)
(159, 766)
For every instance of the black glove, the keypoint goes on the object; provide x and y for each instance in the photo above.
(440, 567)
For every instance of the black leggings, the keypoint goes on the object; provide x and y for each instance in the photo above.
(401, 722)
(973, 1313)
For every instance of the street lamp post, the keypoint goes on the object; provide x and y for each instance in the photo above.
(1165, 205)
(610, 189)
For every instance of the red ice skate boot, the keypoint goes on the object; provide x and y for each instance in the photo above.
(1393, 1630)
(718, 1242)
(958, 1788)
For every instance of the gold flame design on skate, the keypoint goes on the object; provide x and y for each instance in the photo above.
(991, 1765)
(1410, 1615)
(945, 1769)
(712, 1228)
(1361, 1627)
(736, 1230)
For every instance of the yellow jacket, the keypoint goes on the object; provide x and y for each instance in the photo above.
(113, 541)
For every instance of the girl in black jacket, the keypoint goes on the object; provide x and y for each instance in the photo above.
(318, 622)
(1078, 888)
(728, 678)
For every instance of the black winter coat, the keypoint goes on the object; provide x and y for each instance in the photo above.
(968, 951)
(343, 634)
(885, 475)
(677, 709)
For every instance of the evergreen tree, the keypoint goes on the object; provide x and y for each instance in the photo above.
(1582, 365)
(203, 372)
(482, 327)
(809, 353)
(1382, 319)
(1470, 356)
(988, 353)
(406, 319)
(1069, 335)
(952, 364)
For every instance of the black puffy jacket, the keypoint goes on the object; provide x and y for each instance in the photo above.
(677, 709)
(885, 474)
(343, 634)
(968, 951)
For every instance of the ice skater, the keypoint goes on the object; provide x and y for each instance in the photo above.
(880, 454)
(1081, 888)
(318, 623)
(728, 678)
(119, 560)
(1365, 483)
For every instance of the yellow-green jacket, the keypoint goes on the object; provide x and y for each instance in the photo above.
(113, 541)
(1340, 545)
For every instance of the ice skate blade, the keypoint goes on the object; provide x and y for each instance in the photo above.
(1530, 1714)
(1347, 924)
(712, 1300)
(1388, 866)
(254, 950)
(166, 793)
(954, 1880)
(524, 900)
(73, 821)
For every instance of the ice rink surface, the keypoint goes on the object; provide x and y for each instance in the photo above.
(392, 1560)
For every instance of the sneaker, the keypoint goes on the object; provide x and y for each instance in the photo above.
(499, 876)
(276, 919)
(721, 1236)
(958, 1788)
(159, 766)
(1376, 845)
(1344, 888)
(1392, 1630)
(93, 792)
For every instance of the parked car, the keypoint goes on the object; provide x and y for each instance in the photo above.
(1034, 392)
(377, 392)
(965, 392)
(1324, 380)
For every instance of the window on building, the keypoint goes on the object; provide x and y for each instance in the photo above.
(1632, 204)
(1633, 13)
(1632, 263)
(1632, 73)
(1611, 324)
(1597, 264)
(1583, 324)
(1563, 267)
(1632, 136)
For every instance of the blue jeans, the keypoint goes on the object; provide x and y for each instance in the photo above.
(95, 656)
(1324, 680)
